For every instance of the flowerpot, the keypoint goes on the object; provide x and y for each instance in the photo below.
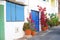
(28, 32)
(44, 28)
(33, 33)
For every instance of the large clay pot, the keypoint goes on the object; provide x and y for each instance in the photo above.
(44, 28)
(28, 32)
(33, 33)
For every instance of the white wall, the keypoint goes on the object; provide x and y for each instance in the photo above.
(33, 5)
(11, 29)
(20, 0)
(11, 32)
(49, 9)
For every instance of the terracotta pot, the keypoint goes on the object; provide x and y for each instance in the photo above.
(44, 28)
(47, 27)
(33, 33)
(28, 32)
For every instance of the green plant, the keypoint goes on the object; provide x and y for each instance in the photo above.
(26, 26)
(49, 22)
(33, 27)
(53, 20)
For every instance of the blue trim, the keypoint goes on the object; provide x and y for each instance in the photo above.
(8, 11)
(19, 13)
(14, 12)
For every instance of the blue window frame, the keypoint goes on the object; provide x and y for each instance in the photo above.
(14, 12)
(19, 12)
(8, 17)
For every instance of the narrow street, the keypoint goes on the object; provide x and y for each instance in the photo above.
(54, 34)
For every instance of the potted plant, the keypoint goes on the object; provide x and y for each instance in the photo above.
(32, 26)
(33, 32)
(53, 21)
(49, 22)
(26, 28)
(44, 28)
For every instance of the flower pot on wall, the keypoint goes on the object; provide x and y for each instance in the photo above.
(28, 32)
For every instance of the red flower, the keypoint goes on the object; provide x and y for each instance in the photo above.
(43, 16)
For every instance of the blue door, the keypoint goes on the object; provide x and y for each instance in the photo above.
(35, 17)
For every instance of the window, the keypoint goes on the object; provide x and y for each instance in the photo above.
(44, 0)
(8, 15)
(19, 13)
(14, 12)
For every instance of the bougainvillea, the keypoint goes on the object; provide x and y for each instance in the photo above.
(43, 16)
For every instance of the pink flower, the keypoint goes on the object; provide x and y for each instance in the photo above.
(30, 17)
(32, 21)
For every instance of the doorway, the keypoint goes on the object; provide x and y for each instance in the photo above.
(35, 17)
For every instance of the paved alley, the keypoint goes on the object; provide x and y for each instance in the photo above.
(54, 34)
